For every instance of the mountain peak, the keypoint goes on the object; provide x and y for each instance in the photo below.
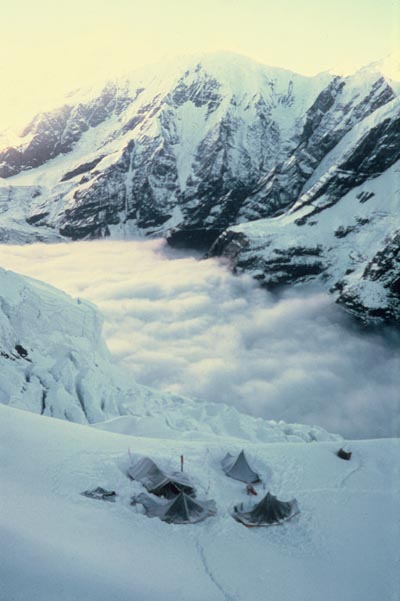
(388, 67)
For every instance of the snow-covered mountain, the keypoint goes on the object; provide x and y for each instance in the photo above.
(180, 144)
(190, 148)
(343, 230)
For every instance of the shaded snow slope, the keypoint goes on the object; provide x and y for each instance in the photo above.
(53, 361)
(57, 544)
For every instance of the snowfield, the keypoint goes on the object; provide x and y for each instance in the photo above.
(57, 544)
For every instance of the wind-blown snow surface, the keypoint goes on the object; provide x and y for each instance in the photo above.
(57, 544)
(193, 328)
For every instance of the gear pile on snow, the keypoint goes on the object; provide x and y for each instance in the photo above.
(343, 454)
(101, 494)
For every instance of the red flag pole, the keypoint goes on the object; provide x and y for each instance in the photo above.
(181, 463)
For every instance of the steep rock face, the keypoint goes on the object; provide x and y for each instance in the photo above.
(186, 150)
(180, 147)
(376, 295)
(343, 231)
(16, 203)
(338, 108)
(53, 133)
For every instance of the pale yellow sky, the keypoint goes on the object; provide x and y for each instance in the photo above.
(48, 48)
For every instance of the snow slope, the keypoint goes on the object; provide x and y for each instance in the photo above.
(57, 544)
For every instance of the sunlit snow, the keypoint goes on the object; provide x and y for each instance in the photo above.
(60, 545)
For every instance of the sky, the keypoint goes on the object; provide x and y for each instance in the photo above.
(49, 48)
(193, 328)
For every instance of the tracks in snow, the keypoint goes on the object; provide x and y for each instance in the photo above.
(350, 474)
(227, 596)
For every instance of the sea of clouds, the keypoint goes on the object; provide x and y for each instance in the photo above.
(190, 326)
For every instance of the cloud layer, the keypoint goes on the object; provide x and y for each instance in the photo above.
(190, 326)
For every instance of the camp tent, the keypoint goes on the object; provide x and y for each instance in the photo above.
(180, 510)
(267, 512)
(239, 468)
(158, 482)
